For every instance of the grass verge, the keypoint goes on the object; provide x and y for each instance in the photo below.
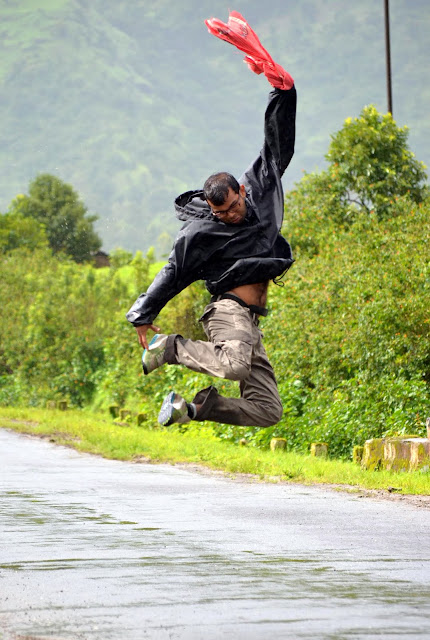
(101, 436)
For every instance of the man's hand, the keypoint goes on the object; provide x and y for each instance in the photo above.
(142, 331)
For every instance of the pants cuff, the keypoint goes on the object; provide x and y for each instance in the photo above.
(206, 398)
(170, 351)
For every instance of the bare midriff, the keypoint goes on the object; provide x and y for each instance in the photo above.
(255, 294)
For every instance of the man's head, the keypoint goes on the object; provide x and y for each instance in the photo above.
(225, 197)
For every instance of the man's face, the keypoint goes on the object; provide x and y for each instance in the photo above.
(233, 209)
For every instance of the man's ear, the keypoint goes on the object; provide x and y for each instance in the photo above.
(242, 190)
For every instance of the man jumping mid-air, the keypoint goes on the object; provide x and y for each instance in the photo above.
(230, 239)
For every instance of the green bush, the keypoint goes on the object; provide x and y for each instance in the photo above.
(56, 323)
(348, 334)
(351, 328)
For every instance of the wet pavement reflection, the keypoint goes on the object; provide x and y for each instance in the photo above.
(101, 549)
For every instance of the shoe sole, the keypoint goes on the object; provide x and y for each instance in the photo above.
(165, 415)
(144, 367)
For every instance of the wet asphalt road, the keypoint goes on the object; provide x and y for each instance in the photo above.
(99, 549)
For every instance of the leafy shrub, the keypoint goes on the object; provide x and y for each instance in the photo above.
(348, 334)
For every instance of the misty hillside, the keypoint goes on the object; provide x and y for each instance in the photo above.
(132, 103)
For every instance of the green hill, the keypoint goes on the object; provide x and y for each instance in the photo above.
(132, 103)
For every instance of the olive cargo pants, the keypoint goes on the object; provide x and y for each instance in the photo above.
(235, 352)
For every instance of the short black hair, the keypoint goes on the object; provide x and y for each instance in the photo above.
(217, 185)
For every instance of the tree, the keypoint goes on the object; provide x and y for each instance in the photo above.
(16, 231)
(370, 167)
(371, 162)
(57, 206)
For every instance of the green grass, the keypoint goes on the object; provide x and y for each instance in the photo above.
(100, 435)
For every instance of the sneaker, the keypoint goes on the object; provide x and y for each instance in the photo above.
(153, 357)
(173, 409)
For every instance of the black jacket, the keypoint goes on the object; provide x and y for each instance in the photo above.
(224, 255)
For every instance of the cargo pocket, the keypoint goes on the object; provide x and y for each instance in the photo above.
(207, 312)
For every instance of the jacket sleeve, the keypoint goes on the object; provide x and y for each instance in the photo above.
(262, 179)
(175, 276)
(280, 129)
(279, 136)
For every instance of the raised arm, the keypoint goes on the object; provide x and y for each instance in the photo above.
(280, 128)
(262, 179)
(279, 124)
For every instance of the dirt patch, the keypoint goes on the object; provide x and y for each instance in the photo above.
(25, 423)
(37, 638)
(59, 437)
(143, 460)
(385, 494)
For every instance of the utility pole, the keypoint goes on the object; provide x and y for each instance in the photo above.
(388, 55)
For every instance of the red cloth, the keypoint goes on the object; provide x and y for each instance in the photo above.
(238, 33)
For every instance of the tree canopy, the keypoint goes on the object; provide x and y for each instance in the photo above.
(17, 231)
(370, 167)
(56, 205)
(372, 163)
